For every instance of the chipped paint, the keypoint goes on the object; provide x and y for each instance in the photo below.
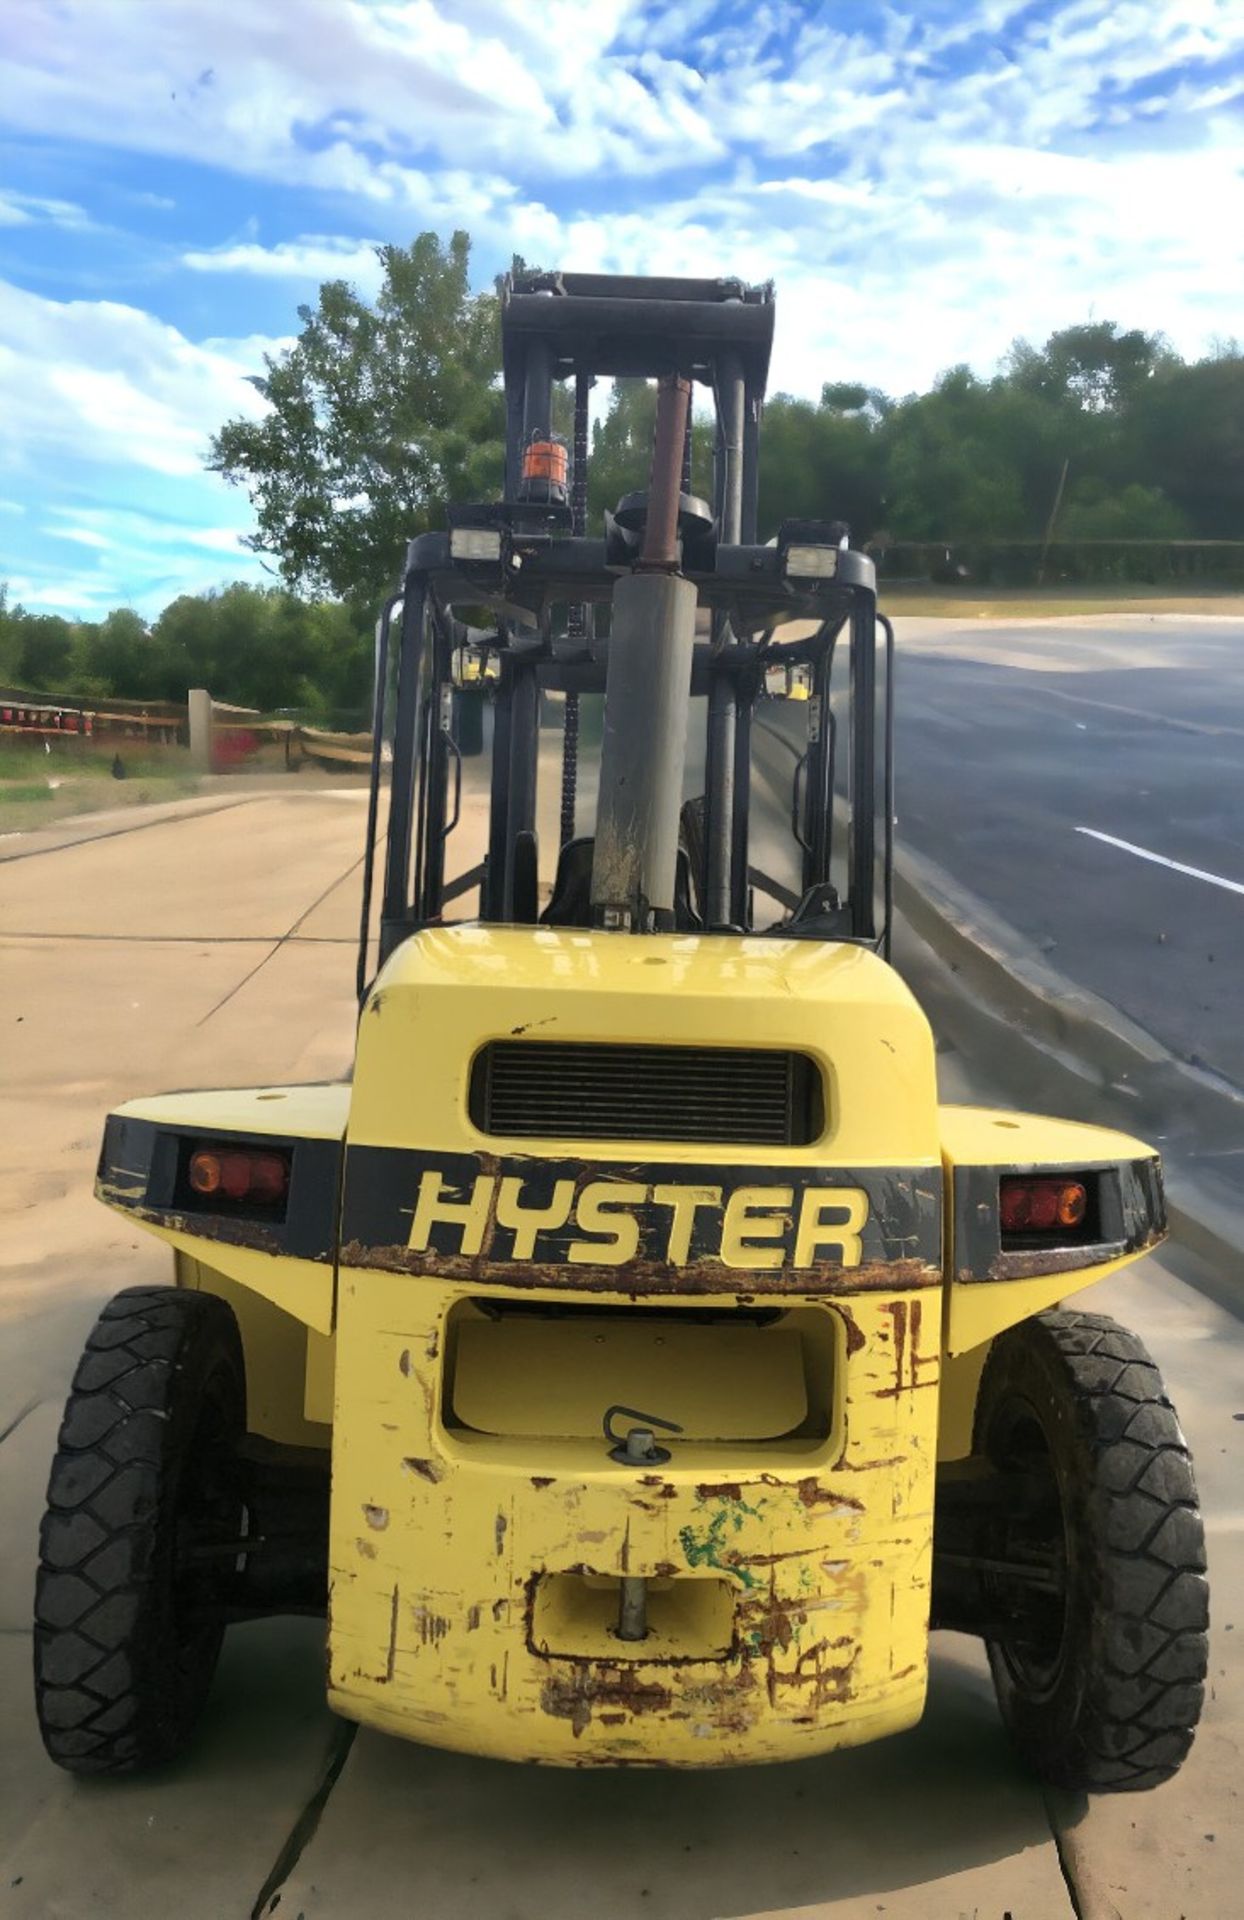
(639, 1279)
(805, 1546)
(430, 1626)
(814, 1493)
(391, 1658)
(575, 1695)
(710, 1548)
(429, 1469)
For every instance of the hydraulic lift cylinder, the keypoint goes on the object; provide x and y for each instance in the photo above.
(647, 698)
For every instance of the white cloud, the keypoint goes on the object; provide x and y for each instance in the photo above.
(32, 209)
(103, 399)
(106, 382)
(311, 257)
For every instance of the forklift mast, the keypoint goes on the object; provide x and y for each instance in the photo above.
(674, 597)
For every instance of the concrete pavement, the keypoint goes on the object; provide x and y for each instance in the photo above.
(218, 949)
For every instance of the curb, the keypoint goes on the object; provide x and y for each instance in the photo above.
(1045, 1038)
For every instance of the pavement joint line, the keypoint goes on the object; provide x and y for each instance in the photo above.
(15, 1423)
(1161, 860)
(1063, 1854)
(191, 939)
(139, 826)
(303, 1830)
(282, 940)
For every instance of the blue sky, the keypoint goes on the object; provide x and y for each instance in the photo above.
(923, 181)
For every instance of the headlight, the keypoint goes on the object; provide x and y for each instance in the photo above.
(812, 563)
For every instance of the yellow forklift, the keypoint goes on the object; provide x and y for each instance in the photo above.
(634, 1360)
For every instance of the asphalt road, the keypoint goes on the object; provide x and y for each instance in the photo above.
(213, 944)
(1020, 747)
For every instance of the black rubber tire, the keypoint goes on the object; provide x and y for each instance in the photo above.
(1108, 1700)
(127, 1628)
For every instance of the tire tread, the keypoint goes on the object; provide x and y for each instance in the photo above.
(1146, 1682)
(109, 1476)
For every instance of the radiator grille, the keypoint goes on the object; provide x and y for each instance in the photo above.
(586, 1091)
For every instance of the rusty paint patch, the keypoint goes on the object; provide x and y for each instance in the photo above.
(814, 1493)
(539, 1480)
(426, 1469)
(773, 1559)
(828, 1682)
(405, 1363)
(854, 1333)
(727, 1490)
(642, 1278)
(1037, 1265)
(391, 1662)
(251, 1234)
(575, 1696)
(499, 1533)
(473, 1616)
(774, 1625)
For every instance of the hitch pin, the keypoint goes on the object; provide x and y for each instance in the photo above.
(633, 1608)
(638, 1449)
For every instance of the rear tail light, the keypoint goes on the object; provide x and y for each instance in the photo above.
(1048, 1208)
(244, 1177)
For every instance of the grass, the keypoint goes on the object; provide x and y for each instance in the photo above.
(38, 788)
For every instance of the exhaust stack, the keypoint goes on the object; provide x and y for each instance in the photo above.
(647, 696)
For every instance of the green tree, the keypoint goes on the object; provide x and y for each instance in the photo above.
(10, 637)
(952, 473)
(264, 647)
(121, 655)
(377, 415)
(1093, 366)
(41, 650)
(1094, 512)
(1190, 441)
(621, 452)
(824, 462)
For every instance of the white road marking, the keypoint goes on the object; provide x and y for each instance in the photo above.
(1160, 860)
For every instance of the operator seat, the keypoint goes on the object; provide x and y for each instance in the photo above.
(571, 902)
